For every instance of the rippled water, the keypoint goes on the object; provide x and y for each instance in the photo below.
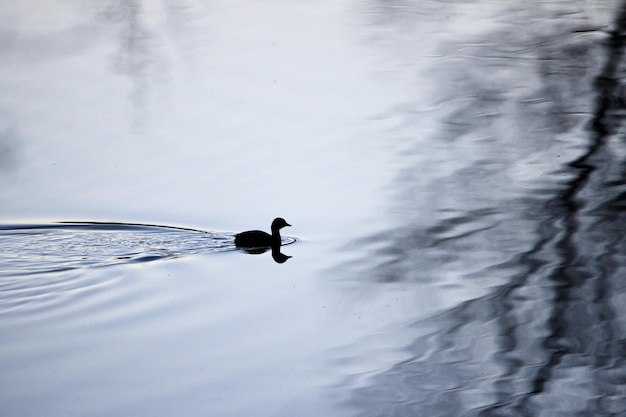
(37, 248)
(454, 175)
(29, 249)
(530, 223)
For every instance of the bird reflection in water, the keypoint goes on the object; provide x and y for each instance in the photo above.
(256, 241)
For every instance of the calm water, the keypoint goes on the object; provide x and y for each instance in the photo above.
(453, 171)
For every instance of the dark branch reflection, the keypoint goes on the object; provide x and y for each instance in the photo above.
(547, 338)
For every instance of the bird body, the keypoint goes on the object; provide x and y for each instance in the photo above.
(260, 239)
(253, 239)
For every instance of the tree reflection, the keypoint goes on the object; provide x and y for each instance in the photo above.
(546, 338)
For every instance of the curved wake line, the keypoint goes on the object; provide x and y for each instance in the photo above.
(89, 225)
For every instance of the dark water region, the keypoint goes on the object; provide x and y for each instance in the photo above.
(547, 336)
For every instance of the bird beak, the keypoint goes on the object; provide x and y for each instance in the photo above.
(287, 224)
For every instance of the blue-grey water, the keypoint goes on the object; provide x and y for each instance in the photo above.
(453, 171)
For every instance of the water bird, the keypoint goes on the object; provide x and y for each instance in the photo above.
(260, 239)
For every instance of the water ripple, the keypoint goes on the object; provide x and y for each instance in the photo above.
(39, 248)
(545, 243)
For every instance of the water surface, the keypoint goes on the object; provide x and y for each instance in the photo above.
(453, 172)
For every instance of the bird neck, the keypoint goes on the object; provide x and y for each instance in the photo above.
(276, 235)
